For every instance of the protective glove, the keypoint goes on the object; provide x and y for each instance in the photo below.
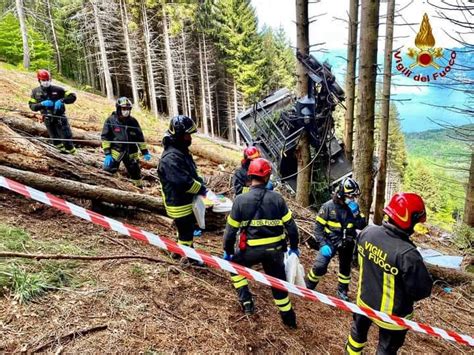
(227, 257)
(269, 185)
(58, 105)
(108, 161)
(294, 251)
(326, 251)
(203, 190)
(197, 233)
(147, 156)
(354, 207)
(47, 103)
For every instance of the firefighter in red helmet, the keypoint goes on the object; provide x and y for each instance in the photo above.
(49, 100)
(240, 180)
(261, 216)
(392, 273)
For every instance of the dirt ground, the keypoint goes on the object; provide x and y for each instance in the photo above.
(174, 307)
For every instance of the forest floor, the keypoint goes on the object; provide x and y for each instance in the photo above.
(143, 306)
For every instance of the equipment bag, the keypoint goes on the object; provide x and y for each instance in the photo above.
(199, 210)
(294, 270)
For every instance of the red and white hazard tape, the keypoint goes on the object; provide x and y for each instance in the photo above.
(218, 263)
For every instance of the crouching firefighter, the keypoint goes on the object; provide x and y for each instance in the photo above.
(179, 179)
(335, 232)
(262, 216)
(49, 100)
(392, 273)
(122, 137)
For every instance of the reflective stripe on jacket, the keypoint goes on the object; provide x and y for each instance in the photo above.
(267, 226)
(392, 275)
(180, 181)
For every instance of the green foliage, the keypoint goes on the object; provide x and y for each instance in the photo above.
(397, 152)
(464, 237)
(280, 61)
(23, 285)
(13, 239)
(240, 45)
(11, 45)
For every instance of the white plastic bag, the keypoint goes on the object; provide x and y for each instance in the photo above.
(220, 204)
(294, 270)
(199, 210)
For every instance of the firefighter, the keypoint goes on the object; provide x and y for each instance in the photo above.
(240, 180)
(180, 182)
(335, 232)
(122, 138)
(262, 217)
(49, 100)
(392, 273)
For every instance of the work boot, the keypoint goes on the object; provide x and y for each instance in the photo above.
(248, 307)
(311, 285)
(342, 292)
(289, 318)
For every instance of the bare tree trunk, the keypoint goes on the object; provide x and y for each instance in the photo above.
(387, 80)
(128, 49)
(236, 112)
(186, 76)
(203, 91)
(363, 167)
(24, 33)
(351, 77)
(208, 86)
(103, 53)
(55, 38)
(469, 204)
(230, 118)
(149, 62)
(217, 114)
(172, 101)
(303, 180)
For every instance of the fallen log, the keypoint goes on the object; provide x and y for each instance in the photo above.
(29, 126)
(78, 189)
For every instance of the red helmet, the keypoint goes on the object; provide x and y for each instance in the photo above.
(260, 167)
(43, 75)
(251, 153)
(406, 209)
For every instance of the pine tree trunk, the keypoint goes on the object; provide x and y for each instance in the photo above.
(385, 120)
(24, 33)
(351, 76)
(103, 53)
(172, 100)
(209, 97)
(230, 126)
(303, 180)
(469, 203)
(128, 49)
(186, 76)
(203, 91)
(217, 114)
(363, 167)
(55, 37)
(149, 62)
(236, 112)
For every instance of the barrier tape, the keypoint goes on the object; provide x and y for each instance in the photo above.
(218, 263)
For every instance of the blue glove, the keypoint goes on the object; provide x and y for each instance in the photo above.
(354, 206)
(58, 105)
(227, 257)
(47, 103)
(197, 233)
(147, 157)
(108, 161)
(269, 185)
(326, 251)
(294, 251)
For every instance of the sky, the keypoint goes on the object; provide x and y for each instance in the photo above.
(330, 29)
